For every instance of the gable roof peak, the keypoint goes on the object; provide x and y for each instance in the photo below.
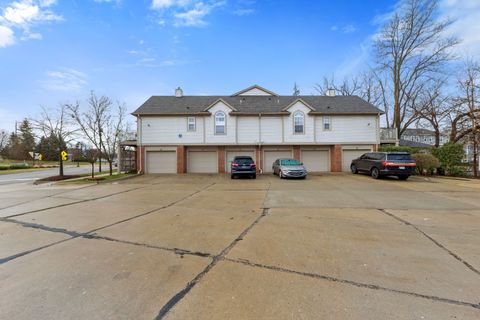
(255, 87)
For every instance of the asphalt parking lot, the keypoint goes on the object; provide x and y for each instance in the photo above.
(335, 246)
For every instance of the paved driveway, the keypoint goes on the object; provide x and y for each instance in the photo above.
(207, 247)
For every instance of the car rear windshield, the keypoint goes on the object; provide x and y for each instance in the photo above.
(243, 161)
(289, 162)
(399, 157)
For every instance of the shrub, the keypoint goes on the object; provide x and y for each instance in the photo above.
(19, 166)
(458, 171)
(450, 155)
(426, 163)
(411, 150)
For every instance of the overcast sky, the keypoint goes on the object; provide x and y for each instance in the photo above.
(56, 51)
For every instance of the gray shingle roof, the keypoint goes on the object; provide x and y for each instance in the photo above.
(254, 104)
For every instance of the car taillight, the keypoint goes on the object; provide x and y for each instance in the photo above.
(234, 164)
(253, 165)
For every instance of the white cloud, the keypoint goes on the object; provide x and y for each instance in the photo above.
(348, 28)
(6, 37)
(465, 17)
(189, 13)
(195, 17)
(244, 12)
(22, 15)
(64, 80)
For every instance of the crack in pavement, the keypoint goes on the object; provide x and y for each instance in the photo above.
(91, 234)
(50, 196)
(182, 293)
(353, 283)
(72, 203)
(438, 244)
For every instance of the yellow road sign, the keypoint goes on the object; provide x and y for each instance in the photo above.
(40, 157)
(64, 155)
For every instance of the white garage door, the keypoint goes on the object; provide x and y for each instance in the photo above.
(202, 162)
(232, 154)
(269, 157)
(315, 160)
(161, 162)
(349, 155)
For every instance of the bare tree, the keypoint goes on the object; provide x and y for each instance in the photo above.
(92, 120)
(114, 130)
(465, 124)
(91, 155)
(100, 124)
(434, 108)
(411, 48)
(56, 123)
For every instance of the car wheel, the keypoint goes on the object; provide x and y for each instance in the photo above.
(254, 176)
(403, 177)
(375, 173)
(280, 174)
(354, 169)
(232, 176)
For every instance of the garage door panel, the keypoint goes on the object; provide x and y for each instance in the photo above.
(349, 155)
(202, 162)
(270, 156)
(232, 154)
(161, 162)
(316, 160)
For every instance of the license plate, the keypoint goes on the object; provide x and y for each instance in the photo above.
(401, 167)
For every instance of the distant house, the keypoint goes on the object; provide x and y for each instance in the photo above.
(421, 137)
(202, 134)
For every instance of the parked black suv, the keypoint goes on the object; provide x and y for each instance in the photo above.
(243, 166)
(379, 164)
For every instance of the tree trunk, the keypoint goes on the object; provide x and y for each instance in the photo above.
(110, 167)
(100, 165)
(93, 170)
(437, 138)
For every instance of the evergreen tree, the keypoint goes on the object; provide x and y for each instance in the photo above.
(27, 139)
(49, 148)
(296, 90)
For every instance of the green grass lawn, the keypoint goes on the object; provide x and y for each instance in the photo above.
(103, 178)
(10, 171)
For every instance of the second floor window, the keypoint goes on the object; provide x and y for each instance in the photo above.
(220, 123)
(298, 122)
(191, 125)
(327, 123)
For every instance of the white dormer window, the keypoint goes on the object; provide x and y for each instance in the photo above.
(220, 123)
(298, 123)
(327, 123)
(191, 124)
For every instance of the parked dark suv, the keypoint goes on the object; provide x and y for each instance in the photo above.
(379, 164)
(243, 166)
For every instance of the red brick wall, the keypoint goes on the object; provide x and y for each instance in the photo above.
(336, 158)
(181, 159)
(221, 159)
(296, 153)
